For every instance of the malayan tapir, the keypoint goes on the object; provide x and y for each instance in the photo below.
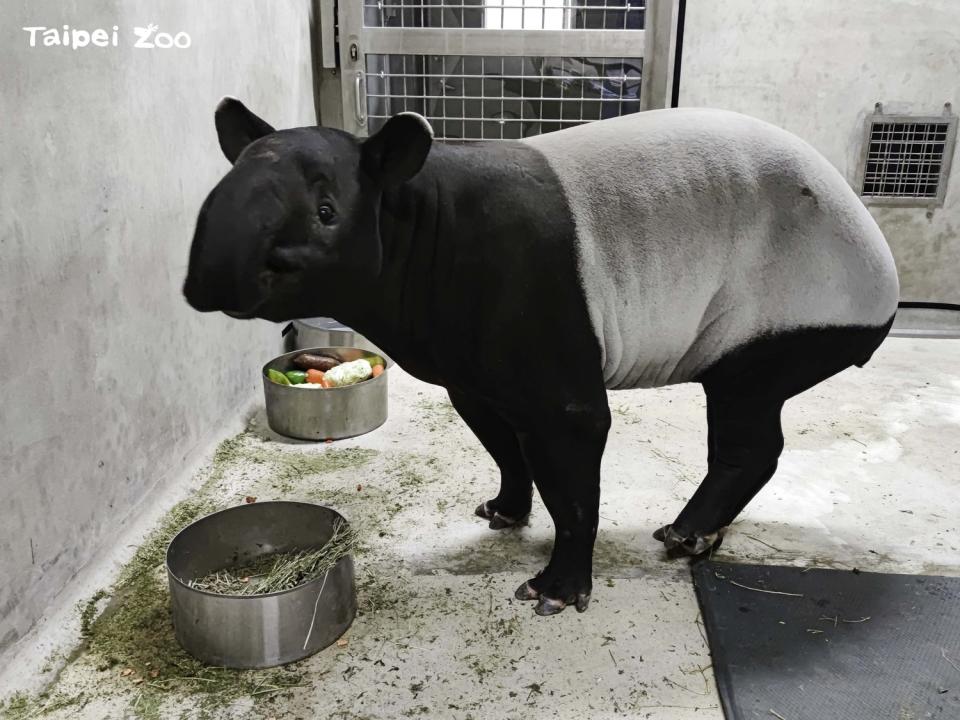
(528, 278)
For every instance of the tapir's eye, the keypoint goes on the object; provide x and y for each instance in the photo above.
(326, 214)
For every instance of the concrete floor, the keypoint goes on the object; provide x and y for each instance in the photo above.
(870, 479)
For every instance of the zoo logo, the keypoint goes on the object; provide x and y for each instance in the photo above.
(148, 38)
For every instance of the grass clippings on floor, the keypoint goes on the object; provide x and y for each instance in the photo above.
(131, 643)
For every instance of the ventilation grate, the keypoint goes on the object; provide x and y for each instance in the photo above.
(907, 159)
(506, 14)
(500, 98)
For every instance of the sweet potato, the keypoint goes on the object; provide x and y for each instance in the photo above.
(308, 361)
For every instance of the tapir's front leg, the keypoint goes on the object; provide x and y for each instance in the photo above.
(564, 454)
(512, 504)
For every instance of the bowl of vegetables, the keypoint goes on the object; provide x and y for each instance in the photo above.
(326, 393)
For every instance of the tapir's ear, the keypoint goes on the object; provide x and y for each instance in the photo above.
(398, 150)
(237, 127)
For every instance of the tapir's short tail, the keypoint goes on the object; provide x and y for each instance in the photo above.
(881, 336)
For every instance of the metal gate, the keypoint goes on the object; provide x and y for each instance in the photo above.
(498, 69)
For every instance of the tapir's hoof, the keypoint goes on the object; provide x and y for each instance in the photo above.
(499, 521)
(678, 545)
(526, 592)
(551, 606)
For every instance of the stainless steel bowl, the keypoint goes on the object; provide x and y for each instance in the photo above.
(327, 414)
(252, 631)
(325, 332)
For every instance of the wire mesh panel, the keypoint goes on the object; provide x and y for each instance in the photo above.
(495, 69)
(906, 159)
(500, 98)
(506, 14)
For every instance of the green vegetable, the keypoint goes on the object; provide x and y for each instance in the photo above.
(296, 377)
(278, 377)
(374, 360)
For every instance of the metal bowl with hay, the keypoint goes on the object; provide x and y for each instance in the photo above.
(262, 584)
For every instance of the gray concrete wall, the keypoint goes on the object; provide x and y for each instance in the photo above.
(107, 379)
(817, 68)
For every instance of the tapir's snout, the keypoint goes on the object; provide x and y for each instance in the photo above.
(200, 296)
(234, 231)
(196, 298)
(226, 286)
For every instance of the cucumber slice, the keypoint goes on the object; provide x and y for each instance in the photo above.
(278, 377)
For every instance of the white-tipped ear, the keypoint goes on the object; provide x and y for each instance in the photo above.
(398, 150)
(421, 119)
(237, 127)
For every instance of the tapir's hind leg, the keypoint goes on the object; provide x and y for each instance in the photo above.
(745, 443)
(512, 504)
(745, 394)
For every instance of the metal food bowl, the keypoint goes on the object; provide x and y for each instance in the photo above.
(327, 414)
(325, 332)
(255, 631)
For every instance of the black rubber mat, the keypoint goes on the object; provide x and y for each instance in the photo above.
(831, 644)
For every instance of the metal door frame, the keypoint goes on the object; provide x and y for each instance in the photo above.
(656, 44)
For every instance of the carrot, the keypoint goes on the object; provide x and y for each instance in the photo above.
(326, 383)
(315, 376)
(377, 370)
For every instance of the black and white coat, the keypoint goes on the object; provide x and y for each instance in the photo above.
(705, 230)
(529, 278)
